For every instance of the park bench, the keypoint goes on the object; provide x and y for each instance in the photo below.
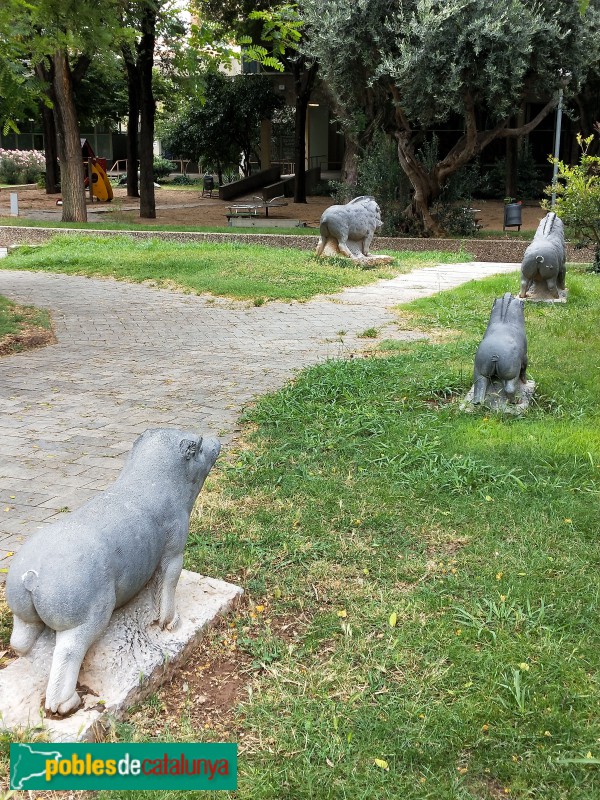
(254, 207)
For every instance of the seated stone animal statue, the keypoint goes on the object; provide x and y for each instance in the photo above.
(502, 354)
(71, 575)
(355, 222)
(543, 264)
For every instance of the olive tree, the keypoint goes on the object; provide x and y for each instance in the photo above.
(419, 64)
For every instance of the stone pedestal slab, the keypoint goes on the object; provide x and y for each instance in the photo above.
(496, 400)
(539, 293)
(331, 249)
(127, 663)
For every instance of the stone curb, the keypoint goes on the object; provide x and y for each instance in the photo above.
(504, 250)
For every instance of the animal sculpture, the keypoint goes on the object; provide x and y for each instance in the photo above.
(502, 354)
(356, 221)
(72, 575)
(544, 259)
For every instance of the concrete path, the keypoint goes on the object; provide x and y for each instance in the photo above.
(130, 357)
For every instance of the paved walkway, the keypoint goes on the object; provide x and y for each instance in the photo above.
(130, 357)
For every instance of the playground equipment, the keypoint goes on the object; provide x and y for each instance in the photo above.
(96, 179)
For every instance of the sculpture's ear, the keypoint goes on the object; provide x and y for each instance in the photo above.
(189, 448)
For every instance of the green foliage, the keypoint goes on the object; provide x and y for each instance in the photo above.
(184, 180)
(529, 181)
(282, 31)
(101, 96)
(21, 166)
(451, 210)
(226, 124)
(162, 167)
(379, 174)
(578, 197)
(417, 64)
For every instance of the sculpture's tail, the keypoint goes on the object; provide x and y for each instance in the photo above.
(30, 580)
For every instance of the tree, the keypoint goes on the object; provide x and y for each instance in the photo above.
(56, 41)
(269, 34)
(223, 129)
(431, 62)
(151, 28)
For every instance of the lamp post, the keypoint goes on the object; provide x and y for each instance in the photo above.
(565, 78)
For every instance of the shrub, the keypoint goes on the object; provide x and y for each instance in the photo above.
(379, 174)
(162, 167)
(452, 207)
(529, 182)
(21, 166)
(578, 198)
(183, 180)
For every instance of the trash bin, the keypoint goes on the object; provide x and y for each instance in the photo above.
(512, 216)
(208, 184)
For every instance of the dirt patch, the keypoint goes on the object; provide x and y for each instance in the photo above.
(173, 207)
(188, 207)
(26, 340)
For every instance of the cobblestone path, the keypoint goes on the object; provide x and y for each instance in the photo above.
(131, 357)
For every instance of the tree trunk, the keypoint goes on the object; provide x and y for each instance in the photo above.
(52, 177)
(145, 62)
(133, 97)
(350, 162)
(428, 184)
(425, 183)
(512, 158)
(304, 81)
(69, 144)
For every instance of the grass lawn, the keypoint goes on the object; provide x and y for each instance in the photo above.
(235, 270)
(99, 223)
(422, 584)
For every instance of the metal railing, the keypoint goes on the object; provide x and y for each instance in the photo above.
(182, 165)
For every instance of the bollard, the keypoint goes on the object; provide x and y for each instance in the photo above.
(14, 204)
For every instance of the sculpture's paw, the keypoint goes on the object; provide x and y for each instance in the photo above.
(170, 626)
(66, 706)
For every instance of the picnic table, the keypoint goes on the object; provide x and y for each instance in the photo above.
(255, 207)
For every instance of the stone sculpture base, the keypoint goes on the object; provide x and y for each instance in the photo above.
(331, 249)
(496, 400)
(538, 293)
(126, 664)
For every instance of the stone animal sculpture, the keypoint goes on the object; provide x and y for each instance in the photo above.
(502, 354)
(72, 575)
(544, 259)
(356, 221)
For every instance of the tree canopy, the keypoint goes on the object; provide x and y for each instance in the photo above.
(416, 63)
(223, 129)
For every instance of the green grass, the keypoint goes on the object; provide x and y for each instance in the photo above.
(13, 318)
(440, 570)
(234, 270)
(511, 233)
(130, 221)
